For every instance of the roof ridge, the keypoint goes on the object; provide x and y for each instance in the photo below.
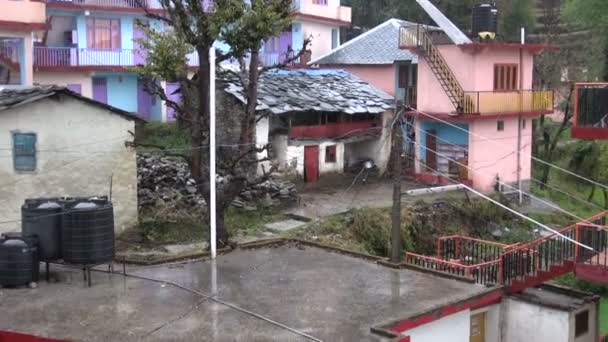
(348, 43)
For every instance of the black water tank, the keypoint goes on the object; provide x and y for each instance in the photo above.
(42, 217)
(88, 231)
(484, 19)
(18, 259)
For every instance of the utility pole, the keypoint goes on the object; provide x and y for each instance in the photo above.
(212, 204)
(397, 166)
(519, 119)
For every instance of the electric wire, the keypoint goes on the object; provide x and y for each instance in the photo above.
(493, 141)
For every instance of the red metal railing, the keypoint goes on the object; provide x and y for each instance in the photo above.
(335, 130)
(469, 250)
(520, 266)
(482, 273)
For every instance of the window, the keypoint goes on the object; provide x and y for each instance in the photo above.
(581, 323)
(500, 125)
(335, 40)
(505, 77)
(320, 2)
(103, 33)
(24, 151)
(404, 72)
(75, 87)
(330, 154)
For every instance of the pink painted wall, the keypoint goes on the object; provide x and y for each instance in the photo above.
(23, 11)
(474, 71)
(488, 159)
(380, 76)
(333, 10)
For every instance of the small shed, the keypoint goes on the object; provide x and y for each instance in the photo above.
(320, 121)
(54, 142)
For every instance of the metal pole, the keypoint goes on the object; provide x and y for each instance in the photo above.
(212, 204)
(519, 120)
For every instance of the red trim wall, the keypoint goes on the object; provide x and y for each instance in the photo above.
(484, 300)
(20, 26)
(73, 6)
(431, 178)
(589, 133)
(474, 117)
(9, 336)
(594, 273)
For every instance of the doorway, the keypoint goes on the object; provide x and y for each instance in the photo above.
(478, 327)
(100, 89)
(431, 147)
(311, 163)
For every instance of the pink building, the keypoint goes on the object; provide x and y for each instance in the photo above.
(470, 98)
(20, 24)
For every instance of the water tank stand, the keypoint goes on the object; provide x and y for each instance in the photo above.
(86, 271)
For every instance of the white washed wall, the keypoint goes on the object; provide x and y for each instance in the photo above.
(80, 147)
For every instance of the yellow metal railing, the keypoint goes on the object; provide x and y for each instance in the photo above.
(494, 102)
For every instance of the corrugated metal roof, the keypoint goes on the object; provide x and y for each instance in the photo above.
(451, 30)
(379, 45)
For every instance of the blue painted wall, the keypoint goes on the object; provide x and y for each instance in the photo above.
(122, 90)
(297, 36)
(446, 135)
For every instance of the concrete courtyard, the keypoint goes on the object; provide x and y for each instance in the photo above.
(308, 293)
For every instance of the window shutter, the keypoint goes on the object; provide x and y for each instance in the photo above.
(24, 151)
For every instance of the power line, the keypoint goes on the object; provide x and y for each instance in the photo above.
(505, 207)
(510, 186)
(519, 152)
(502, 158)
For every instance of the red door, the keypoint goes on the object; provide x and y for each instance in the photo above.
(311, 163)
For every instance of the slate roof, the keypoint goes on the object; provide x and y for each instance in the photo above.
(379, 45)
(289, 91)
(15, 97)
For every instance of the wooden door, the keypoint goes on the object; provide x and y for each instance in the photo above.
(478, 328)
(145, 101)
(311, 163)
(431, 148)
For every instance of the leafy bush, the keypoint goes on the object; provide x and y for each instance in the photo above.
(372, 227)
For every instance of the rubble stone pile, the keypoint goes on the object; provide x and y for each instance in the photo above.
(166, 181)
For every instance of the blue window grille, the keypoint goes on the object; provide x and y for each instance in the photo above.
(24, 151)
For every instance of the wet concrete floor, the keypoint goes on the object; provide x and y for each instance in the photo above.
(329, 296)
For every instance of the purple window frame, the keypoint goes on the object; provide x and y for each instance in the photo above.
(92, 43)
(320, 2)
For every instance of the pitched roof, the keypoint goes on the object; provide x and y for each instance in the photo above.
(288, 91)
(15, 97)
(379, 45)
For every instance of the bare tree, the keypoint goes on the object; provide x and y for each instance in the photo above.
(190, 29)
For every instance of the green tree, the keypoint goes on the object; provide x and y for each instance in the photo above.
(590, 159)
(190, 27)
(512, 16)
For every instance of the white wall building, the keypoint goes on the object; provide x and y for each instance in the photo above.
(56, 143)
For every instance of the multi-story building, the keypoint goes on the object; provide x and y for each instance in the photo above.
(90, 46)
(474, 106)
(20, 22)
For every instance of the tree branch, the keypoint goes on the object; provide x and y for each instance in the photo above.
(289, 60)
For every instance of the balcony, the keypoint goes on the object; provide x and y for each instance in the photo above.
(500, 102)
(336, 130)
(118, 5)
(58, 58)
(342, 14)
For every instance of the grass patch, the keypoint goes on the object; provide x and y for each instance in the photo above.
(157, 231)
(603, 317)
(164, 135)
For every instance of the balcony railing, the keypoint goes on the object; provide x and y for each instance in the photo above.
(335, 130)
(495, 102)
(50, 57)
(124, 4)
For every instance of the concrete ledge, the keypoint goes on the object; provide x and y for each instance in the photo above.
(160, 259)
(437, 273)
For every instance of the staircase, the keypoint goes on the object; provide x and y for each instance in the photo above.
(520, 266)
(418, 38)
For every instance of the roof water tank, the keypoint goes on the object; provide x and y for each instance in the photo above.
(43, 219)
(88, 232)
(18, 259)
(484, 20)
